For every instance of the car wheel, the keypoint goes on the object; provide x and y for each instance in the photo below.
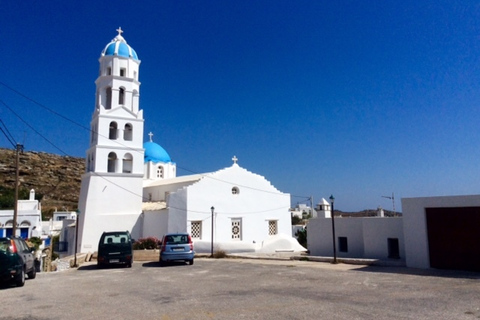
(190, 262)
(32, 274)
(20, 279)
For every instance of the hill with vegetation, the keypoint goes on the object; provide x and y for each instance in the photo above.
(56, 179)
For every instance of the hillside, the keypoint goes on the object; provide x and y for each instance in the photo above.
(56, 179)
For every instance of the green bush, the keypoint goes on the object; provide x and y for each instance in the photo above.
(147, 243)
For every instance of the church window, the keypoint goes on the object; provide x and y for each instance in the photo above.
(342, 244)
(121, 96)
(112, 134)
(160, 172)
(127, 164)
(108, 104)
(127, 132)
(272, 227)
(109, 71)
(236, 229)
(235, 190)
(196, 229)
(112, 162)
(135, 75)
(123, 72)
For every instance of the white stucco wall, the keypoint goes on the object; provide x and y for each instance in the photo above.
(366, 237)
(155, 223)
(109, 203)
(415, 224)
(376, 232)
(255, 204)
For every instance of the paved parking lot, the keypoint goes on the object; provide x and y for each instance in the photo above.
(245, 289)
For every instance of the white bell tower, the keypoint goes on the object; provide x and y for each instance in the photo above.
(111, 191)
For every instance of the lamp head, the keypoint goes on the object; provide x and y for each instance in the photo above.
(332, 198)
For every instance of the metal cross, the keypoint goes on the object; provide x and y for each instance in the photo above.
(150, 135)
(235, 159)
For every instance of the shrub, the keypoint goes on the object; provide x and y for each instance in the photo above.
(219, 254)
(147, 243)
(34, 242)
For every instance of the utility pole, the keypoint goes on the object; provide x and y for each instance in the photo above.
(19, 148)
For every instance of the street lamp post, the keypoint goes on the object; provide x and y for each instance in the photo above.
(332, 200)
(76, 239)
(213, 210)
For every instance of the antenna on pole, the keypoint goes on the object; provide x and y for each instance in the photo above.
(393, 201)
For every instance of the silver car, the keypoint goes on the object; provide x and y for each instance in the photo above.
(176, 247)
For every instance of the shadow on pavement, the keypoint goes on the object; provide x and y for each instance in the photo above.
(422, 272)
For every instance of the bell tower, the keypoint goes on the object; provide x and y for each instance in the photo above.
(111, 190)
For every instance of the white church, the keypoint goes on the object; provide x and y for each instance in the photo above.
(131, 185)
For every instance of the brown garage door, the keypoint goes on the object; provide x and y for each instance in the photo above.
(454, 238)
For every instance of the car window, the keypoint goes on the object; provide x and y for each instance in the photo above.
(115, 239)
(21, 246)
(177, 239)
(4, 246)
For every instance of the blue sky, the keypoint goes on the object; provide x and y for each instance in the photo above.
(357, 99)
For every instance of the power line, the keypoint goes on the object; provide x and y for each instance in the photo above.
(34, 130)
(7, 134)
(208, 175)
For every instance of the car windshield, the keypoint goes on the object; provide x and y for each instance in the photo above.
(177, 239)
(115, 238)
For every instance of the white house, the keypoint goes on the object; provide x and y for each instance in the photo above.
(29, 219)
(131, 185)
(433, 232)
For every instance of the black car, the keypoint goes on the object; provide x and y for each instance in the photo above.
(115, 248)
(16, 260)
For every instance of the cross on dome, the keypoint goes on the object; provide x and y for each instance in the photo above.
(235, 159)
(119, 35)
(150, 135)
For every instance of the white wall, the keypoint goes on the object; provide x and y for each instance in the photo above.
(155, 224)
(415, 224)
(366, 237)
(376, 232)
(254, 207)
(109, 203)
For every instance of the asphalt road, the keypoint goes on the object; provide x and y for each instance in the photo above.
(244, 289)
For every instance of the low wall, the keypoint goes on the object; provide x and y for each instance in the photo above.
(146, 255)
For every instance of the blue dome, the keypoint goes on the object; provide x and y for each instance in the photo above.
(155, 153)
(119, 47)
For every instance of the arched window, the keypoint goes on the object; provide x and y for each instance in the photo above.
(127, 132)
(127, 163)
(112, 162)
(121, 96)
(108, 103)
(112, 133)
